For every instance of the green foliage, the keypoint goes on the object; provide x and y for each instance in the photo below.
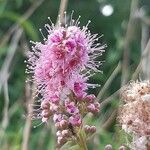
(18, 19)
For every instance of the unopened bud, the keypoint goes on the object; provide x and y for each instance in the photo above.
(58, 133)
(63, 124)
(89, 129)
(91, 107)
(61, 141)
(122, 147)
(65, 133)
(46, 113)
(108, 147)
(57, 125)
(97, 105)
(45, 104)
(90, 98)
(93, 129)
(44, 119)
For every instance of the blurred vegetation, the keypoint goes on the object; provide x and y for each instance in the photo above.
(17, 14)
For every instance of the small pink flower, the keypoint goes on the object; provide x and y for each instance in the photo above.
(58, 53)
(75, 120)
(97, 105)
(71, 108)
(79, 88)
(90, 98)
(91, 107)
(63, 124)
(45, 113)
(45, 104)
(57, 117)
(57, 35)
(70, 44)
(54, 99)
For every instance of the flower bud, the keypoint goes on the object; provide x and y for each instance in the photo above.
(122, 147)
(63, 124)
(97, 105)
(65, 133)
(71, 108)
(46, 113)
(75, 120)
(89, 129)
(93, 129)
(54, 108)
(58, 133)
(55, 99)
(45, 104)
(90, 98)
(61, 140)
(91, 107)
(44, 119)
(57, 125)
(108, 147)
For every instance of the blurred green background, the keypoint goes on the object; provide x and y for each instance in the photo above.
(125, 25)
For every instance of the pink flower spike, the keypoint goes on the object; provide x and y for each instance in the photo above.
(61, 66)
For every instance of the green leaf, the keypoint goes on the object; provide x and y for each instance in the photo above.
(2, 6)
(26, 25)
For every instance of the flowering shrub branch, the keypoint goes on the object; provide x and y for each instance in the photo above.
(61, 67)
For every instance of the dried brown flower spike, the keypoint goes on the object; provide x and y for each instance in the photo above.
(134, 115)
(136, 91)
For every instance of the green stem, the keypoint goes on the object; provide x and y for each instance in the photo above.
(82, 141)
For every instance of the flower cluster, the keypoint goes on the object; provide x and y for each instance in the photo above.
(109, 147)
(61, 67)
(134, 115)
